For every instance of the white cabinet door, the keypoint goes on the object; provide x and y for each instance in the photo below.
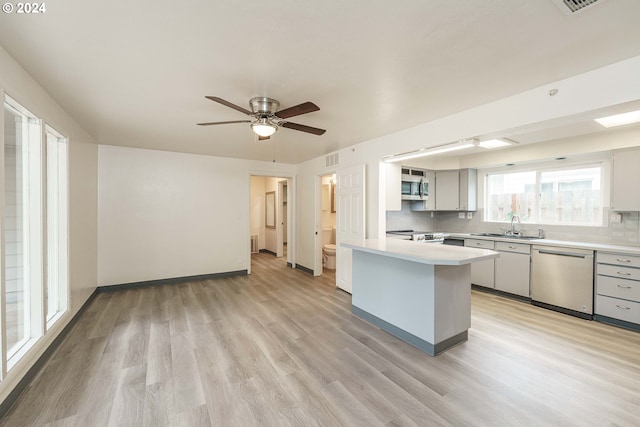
(512, 273)
(626, 175)
(482, 272)
(350, 219)
(448, 190)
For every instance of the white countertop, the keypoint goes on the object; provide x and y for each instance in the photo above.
(425, 253)
(604, 247)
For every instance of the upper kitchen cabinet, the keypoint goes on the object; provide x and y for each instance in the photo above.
(456, 190)
(393, 180)
(626, 175)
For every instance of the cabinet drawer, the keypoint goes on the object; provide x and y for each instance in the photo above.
(618, 288)
(521, 248)
(477, 243)
(618, 309)
(619, 272)
(618, 259)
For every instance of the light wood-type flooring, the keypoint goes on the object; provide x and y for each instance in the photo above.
(281, 348)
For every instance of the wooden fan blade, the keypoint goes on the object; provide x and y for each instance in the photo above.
(303, 128)
(304, 108)
(263, 138)
(223, 123)
(230, 105)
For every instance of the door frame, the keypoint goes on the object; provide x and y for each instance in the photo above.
(291, 214)
(317, 264)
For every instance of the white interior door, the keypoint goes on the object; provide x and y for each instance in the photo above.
(350, 219)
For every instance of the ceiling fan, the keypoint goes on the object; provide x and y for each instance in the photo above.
(266, 117)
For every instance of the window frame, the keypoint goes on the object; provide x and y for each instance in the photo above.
(33, 238)
(62, 289)
(601, 160)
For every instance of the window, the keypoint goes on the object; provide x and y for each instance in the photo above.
(56, 225)
(35, 225)
(22, 227)
(570, 196)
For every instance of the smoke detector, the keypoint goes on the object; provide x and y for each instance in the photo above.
(569, 7)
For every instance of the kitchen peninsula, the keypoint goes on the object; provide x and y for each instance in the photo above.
(419, 292)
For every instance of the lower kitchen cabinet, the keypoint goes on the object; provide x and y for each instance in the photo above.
(482, 272)
(618, 288)
(512, 268)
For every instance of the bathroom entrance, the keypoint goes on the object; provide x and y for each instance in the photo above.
(327, 224)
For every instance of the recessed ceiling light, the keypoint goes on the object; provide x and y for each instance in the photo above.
(495, 143)
(620, 119)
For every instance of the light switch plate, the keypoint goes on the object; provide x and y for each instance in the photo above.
(461, 215)
(469, 215)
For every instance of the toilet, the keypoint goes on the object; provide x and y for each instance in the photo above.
(329, 248)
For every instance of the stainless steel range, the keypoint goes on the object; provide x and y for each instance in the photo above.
(418, 236)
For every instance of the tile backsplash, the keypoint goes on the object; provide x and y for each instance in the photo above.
(626, 232)
(406, 219)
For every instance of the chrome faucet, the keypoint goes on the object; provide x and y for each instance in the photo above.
(513, 230)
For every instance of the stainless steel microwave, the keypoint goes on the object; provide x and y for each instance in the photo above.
(414, 187)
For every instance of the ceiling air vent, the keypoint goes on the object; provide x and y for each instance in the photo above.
(332, 160)
(573, 6)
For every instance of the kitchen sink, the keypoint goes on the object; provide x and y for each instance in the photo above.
(506, 236)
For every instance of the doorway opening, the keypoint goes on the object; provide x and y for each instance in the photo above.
(270, 227)
(327, 225)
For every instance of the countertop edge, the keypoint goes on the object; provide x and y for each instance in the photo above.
(479, 254)
(603, 247)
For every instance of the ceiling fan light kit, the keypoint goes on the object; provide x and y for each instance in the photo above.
(266, 117)
(263, 128)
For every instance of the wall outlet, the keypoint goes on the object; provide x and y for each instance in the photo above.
(469, 215)
(432, 214)
(461, 215)
(615, 218)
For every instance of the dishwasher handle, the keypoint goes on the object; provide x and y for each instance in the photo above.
(560, 253)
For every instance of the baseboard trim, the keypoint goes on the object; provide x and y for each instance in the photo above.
(500, 293)
(429, 348)
(267, 251)
(170, 281)
(12, 397)
(305, 269)
(617, 322)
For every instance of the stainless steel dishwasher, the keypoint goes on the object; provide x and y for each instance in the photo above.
(562, 279)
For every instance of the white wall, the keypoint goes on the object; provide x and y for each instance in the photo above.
(83, 164)
(164, 214)
(611, 85)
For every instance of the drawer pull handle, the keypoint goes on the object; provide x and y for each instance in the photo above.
(512, 247)
(622, 307)
(623, 260)
(624, 286)
(622, 273)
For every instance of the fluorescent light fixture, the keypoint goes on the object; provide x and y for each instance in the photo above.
(494, 143)
(620, 119)
(263, 128)
(423, 152)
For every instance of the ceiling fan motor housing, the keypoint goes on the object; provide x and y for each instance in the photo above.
(263, 105)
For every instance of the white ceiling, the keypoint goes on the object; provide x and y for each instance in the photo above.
(136, 73)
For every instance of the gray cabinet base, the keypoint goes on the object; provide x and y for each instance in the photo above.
(429, 348)
(617, 322)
